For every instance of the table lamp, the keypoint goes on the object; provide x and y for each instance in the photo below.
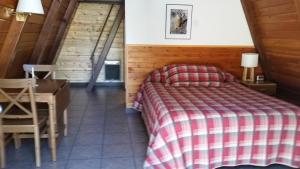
(25, 8)
(249, 61)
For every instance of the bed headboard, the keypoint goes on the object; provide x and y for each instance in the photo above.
(143, 59)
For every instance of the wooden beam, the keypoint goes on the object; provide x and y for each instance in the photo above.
(8, 52)
(106, 47)
(73, 4)
(250, 16)
(39, 49)
(103, 1)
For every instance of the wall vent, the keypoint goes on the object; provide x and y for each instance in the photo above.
(112, 71)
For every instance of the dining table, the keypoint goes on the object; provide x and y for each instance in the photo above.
(56, 94)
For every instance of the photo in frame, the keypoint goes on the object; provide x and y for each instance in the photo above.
(178, 21)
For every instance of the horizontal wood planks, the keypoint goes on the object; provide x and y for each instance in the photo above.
(277, 31)
(142, 59)
(74, 60)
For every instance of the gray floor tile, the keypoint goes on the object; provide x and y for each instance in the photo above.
(53, 165)
(96, 120)
(88, 139)
(14, 156)
(85, 152)
(95, 128)
(20, 165)
(139, 149)
(84, 164)
(62, 154)
(116, 138)
(139, 137)
(117, 150)
(116, 128)
(117, 163)
(94, 113)
(139, 162)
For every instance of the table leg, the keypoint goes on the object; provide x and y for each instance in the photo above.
(65, 122)
(2, 148)
(52, 131)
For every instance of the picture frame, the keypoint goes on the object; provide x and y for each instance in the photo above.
(178, 21)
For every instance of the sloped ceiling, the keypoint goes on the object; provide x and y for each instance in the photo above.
(33, 41)
(275, 28)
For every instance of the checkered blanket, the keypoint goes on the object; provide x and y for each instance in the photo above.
(208, 127)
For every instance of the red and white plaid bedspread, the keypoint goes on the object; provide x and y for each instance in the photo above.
(207, 127)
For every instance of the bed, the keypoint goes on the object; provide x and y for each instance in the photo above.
(199, 117)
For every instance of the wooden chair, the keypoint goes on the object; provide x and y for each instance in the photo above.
(18, 117)
(49, 69)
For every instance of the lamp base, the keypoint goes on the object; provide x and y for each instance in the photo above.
(245, 74)
(21, 17)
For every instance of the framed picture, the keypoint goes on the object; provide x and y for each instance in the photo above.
(178, 21)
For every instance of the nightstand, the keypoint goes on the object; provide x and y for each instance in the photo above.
(265, 87)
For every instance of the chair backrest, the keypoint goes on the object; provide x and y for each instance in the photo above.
(49, 69)
(14, 91)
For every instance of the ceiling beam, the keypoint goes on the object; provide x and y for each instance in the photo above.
(62, 29)
(8, 50)
(41, 44)
(103, 1)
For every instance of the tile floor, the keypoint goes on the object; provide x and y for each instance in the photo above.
(101, 136)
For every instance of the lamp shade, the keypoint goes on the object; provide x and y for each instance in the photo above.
(30, 6)
(249, 60)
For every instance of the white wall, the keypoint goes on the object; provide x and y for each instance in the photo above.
(215, 22)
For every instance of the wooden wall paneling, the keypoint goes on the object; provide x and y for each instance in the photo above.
(297, 4)
(106, 47)
(248, 6)
(39, 49)
(73, 61)
(62, 29)
(7, 54)
(143, 59)
(277, 34)
(8, 3)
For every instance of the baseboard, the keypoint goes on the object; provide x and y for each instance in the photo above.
(100, 84)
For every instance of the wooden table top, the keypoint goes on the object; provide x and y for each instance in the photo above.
(48, 85)
(44, 86)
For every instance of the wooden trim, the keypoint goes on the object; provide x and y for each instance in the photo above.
(38, 52)
(7, 54)
(73, 4)
(249, 13)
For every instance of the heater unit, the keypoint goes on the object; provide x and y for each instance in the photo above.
(112, 71)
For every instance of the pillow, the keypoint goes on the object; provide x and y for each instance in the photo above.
(190, 75)
(196, 79)
(194, 75)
